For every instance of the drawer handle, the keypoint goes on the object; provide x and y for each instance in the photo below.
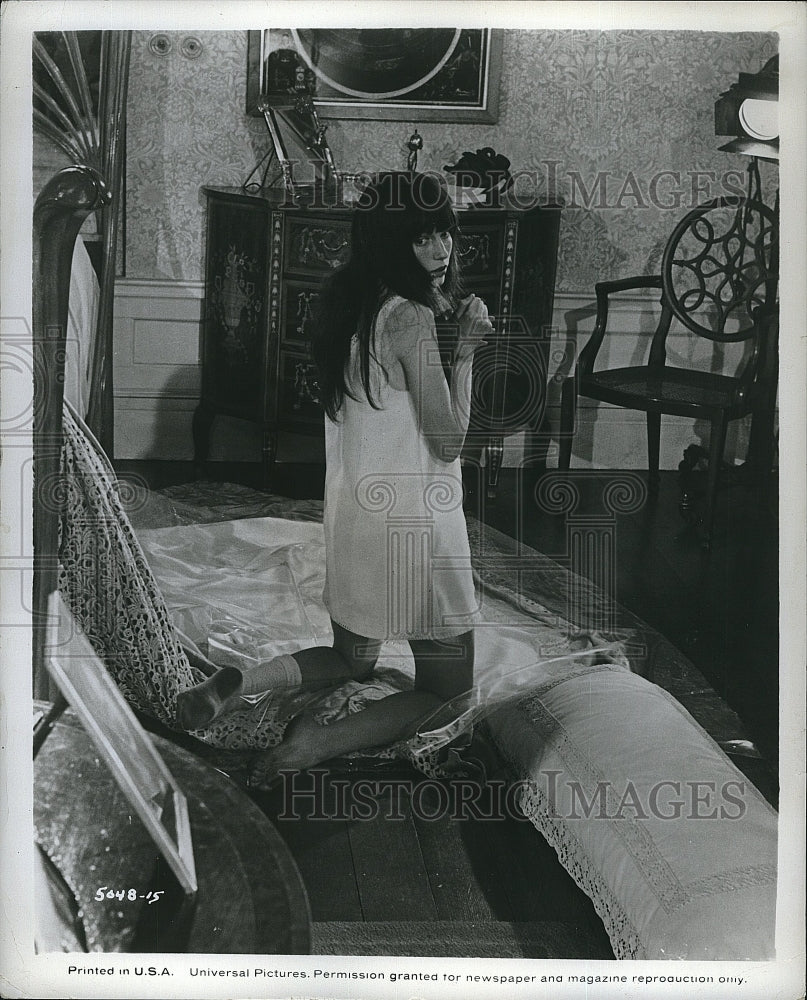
(323, 245)
(304, 303)
(475, 248)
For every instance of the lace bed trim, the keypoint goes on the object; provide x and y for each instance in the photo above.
(637, 837)
(623, 935)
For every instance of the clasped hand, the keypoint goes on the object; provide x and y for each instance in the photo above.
(473, 325)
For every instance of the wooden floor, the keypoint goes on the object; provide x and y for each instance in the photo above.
(719, 608)
(417, 854)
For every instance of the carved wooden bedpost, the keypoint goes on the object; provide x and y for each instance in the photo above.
(90, 131)
(59, 213)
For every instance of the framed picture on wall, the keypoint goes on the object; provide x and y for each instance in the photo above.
(390, 74)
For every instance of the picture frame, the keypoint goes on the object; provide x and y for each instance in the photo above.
(122, 743)
(389, 74)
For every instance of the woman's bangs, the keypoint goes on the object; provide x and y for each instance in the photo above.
(428, 219)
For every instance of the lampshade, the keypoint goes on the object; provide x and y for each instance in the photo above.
(760, 118)
(749, 111)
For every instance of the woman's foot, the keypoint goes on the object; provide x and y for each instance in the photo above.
(304, 745)
(200, 705)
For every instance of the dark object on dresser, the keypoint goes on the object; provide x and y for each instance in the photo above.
(485, 169)
(265, 261)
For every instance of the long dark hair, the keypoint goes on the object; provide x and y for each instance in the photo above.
(391, 213)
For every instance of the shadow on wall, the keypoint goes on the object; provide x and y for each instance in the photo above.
(166, 432)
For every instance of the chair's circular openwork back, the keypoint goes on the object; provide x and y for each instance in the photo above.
(719, 267)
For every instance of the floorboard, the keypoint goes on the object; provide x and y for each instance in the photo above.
(720, 608)
(319, 840)
(456, 851)
(391, 874)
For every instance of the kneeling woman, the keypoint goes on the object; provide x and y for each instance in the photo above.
(397, 555)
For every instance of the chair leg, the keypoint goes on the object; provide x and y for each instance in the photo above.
(653, 441)
(717, 442)
(568, 404)
(761, 447)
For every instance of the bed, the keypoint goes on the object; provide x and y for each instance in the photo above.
(599, 730)
(589, 737)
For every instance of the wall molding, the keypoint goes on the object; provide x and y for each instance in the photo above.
(631, 299)
(143, 288)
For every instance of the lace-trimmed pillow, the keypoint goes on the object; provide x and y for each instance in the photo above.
(675, 847)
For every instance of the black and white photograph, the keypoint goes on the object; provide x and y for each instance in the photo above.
(403, 500)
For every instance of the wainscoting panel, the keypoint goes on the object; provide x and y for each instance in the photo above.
(156, 367)
(157, 382)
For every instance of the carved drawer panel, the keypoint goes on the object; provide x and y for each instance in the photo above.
(298, 391)
(316, 246)
(480, 250)
(298, 301)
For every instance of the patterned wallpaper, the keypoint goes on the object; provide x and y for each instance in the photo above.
(593, 117)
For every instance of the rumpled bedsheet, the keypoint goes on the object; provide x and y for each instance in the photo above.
(241, 592)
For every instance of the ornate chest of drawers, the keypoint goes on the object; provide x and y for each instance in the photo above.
(265, 262)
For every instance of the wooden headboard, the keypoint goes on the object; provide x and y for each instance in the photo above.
(80, 86)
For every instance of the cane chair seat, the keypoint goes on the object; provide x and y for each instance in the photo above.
(674, 390)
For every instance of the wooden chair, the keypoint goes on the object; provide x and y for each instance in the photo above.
(719, 279)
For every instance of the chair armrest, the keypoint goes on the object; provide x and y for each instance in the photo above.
(585, 363)
(623, 284)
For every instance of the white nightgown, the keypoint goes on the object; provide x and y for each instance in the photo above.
(398, 563)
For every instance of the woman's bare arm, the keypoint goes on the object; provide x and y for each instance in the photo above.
(443, 413)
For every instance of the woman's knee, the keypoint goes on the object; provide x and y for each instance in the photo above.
(359, 653)
(444, 667)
